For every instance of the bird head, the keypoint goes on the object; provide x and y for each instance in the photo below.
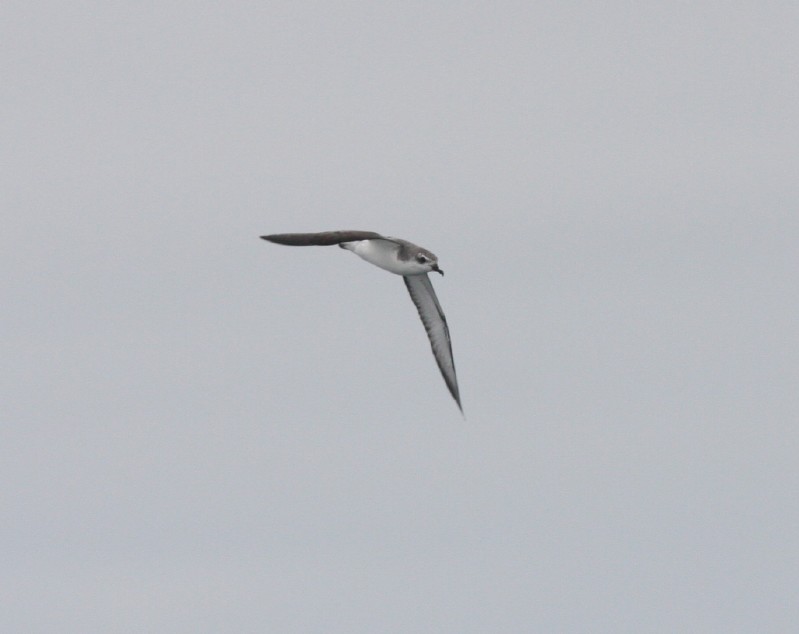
(427, 261)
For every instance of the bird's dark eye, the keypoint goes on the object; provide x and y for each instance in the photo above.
(421, 259)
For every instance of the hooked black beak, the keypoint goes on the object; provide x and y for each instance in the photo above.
(437, 270)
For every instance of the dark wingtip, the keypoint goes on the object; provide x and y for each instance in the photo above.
(456, 396)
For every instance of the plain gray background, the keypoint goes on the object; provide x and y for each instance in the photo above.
(203, 432)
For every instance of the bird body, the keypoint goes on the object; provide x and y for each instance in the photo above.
(403, 258)
(386, 254)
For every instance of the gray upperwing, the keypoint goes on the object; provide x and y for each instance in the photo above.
(322, 239)
(423, 295)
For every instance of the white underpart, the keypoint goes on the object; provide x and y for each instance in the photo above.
(383, 253)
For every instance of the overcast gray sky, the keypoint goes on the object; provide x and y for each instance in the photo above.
(203, 432)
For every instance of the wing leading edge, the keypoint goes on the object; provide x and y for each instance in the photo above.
(322, 239)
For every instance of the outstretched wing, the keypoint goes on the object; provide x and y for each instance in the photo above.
(323, 239)
(423, 295)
